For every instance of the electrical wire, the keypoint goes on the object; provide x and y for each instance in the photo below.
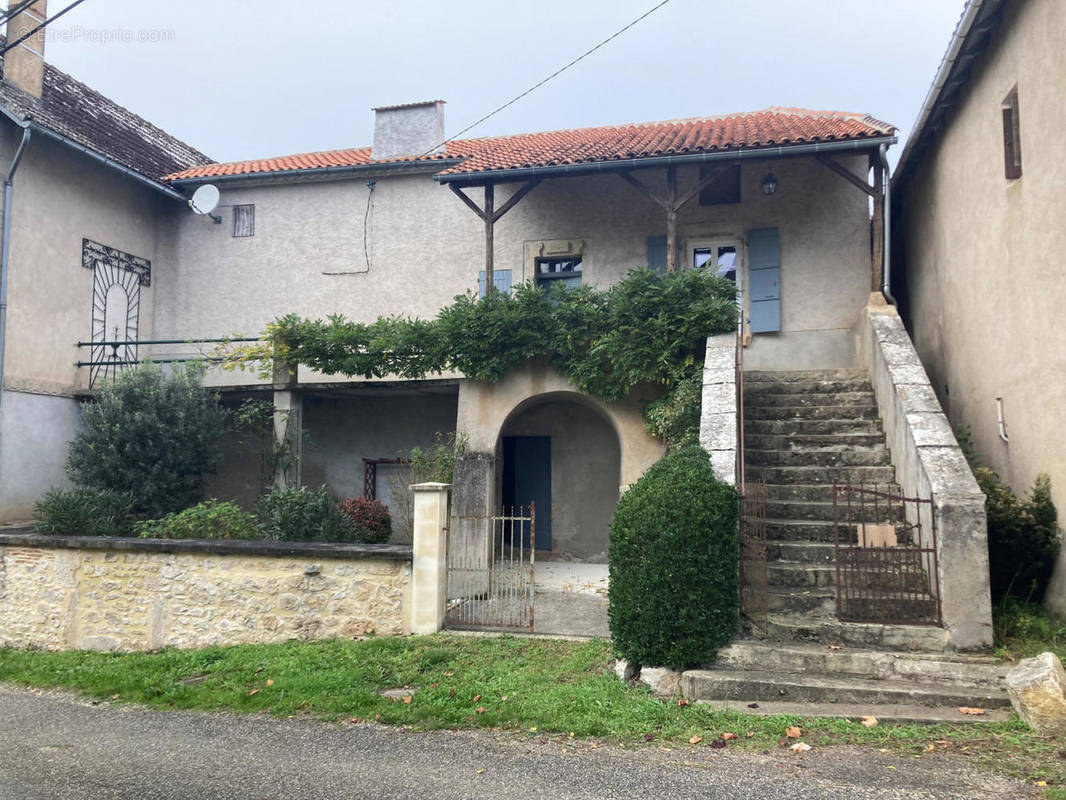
(366, 218)
(18, 9)
(30, 33)
(557, 72)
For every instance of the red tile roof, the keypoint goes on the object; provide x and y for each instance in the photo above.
(772, 127)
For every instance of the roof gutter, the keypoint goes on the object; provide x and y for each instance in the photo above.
(314, 172)
(762, 153)
(5, 246)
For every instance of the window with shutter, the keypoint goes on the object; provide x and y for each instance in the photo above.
(657, 254)
(244, 220)
(501, 281)
(1012, 143)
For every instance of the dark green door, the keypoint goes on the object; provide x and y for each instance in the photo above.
(527, 479)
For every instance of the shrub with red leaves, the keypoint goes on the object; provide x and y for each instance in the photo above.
(370, 519)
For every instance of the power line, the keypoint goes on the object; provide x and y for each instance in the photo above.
(30, 33)
(18, 9)
(557, 72)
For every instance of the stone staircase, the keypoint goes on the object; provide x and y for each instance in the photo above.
(803, 430)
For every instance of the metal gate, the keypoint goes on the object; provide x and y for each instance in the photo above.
(490, 571)
(886, 559)
(754, 593)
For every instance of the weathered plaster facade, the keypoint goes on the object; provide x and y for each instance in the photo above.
(128, 599)
(981, 254)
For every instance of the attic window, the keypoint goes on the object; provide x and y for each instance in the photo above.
(244, 220)
(723, 189)
(1012, 142)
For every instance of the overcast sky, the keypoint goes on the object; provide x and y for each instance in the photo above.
(250, 78)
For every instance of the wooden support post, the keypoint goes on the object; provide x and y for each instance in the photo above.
(490, 221)
(877, 238)
(671, 219)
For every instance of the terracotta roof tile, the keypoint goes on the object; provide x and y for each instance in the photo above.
(771, 127)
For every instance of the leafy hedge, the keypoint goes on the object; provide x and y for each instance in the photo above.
(370, 519)
(84, 512)
(210, 519)
(303, 514)
(674, 596)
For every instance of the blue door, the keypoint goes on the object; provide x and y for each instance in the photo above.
(527, 478)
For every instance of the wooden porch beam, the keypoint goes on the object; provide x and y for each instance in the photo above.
(846, 174)
(640, 187)
(512, 201)
(490, 220)
(877, 238)
(671, 219)
(469, 203)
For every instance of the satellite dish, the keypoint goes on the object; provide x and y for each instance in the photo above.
(204, 200)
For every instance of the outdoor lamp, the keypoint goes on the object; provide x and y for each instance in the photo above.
(769, 183)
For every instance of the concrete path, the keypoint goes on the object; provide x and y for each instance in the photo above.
(55, 746)
(571, 599)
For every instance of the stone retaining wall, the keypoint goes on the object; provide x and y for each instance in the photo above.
(62, 593)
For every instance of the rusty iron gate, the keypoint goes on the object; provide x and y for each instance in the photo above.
(754, 594)
(886, 559)
(491, 564)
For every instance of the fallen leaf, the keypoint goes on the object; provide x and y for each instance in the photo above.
(753, 705)
(800, 747)
(532, 730)
(834, 647)
(503, 699)
(448, 673)
(451, 693)
(434, 685)
(114, 697)
(750, 734)
(968, 710)
(355, 719)
(889, 766)
(1040, 783)
(942, 742)
(571, 734)
(727, 736)
(476, 698)
(717, 744)
(407, 700)
(480, 771)
(252, 691)
(682, 702)
(270, 681)
(929, 748)
(480, 710)
(868, 722)
(695, 739)
(793, 732)
(648, 737)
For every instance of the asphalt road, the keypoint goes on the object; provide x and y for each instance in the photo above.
(53, 745)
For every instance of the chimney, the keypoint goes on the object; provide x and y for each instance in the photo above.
(24, 64)
(408, 130)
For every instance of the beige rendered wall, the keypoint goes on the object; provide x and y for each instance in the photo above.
(423, 246)
(59, 599)
(983, 258)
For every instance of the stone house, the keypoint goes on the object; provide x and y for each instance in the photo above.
(983, 300)
(104, 246)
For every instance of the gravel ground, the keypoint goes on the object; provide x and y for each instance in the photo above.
(54, 745)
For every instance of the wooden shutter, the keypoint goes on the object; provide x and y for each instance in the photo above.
(244, 220)
(764, 270)
(657, 254)
(501, 281)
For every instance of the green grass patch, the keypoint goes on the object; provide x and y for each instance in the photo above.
(532, 686)
(1023, 630)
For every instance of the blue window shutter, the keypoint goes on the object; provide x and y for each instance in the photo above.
(657, 254)
(501, 281)
(764, 271)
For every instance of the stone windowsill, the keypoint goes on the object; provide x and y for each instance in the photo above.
(241, 547)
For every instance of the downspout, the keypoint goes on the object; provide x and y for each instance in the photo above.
(5, 247)
(886, 220)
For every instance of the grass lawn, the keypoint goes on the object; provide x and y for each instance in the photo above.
(531, 686)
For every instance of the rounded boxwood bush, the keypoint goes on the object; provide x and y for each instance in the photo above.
(674, 596)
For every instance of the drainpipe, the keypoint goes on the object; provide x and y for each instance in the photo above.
(886, 219)
(5, 247)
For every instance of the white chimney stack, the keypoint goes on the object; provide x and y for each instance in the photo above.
(408, 130)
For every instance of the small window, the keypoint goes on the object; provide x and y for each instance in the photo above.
(721, 258)
(723, 189)
(553, 270)
(1012, 142)
(244, 220)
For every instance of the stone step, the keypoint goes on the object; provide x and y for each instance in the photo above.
(811, 427)
(800, 628)
(885, 476)
(800, 552)
(818, 659)
(823, 512)
(791, 376)
(895, 714)
(877, 584)
(803, 530)
(729, 684)
(798, 442)
(813, 492)
(818, 601)
(765, 387)
(820, 457)
(825, 412)
(754, 398)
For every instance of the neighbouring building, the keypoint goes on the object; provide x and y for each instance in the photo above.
(788, 202)
(978, 235)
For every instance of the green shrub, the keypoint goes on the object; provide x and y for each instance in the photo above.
(302, 514)
(674, 596)
(675, 417)
(84, 512)
(151, 437)
(210, 519)
(370, 519)
(437, 463)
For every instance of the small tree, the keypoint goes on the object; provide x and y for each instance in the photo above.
(152, 437)
(674, 596)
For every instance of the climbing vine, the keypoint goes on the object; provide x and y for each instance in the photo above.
(647, 328)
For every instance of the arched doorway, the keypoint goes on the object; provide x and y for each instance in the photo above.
(561, 452)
